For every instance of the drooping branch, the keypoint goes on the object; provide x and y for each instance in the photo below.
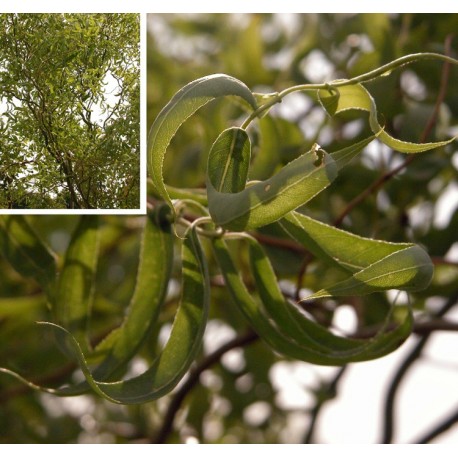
(413, 356)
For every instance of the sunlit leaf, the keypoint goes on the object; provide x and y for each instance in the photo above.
(265, 202)
(183, 104)
(343, 156)
(336, 100)
(409, 269)
(336, 246)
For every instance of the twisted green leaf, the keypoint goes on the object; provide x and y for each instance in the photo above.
(155, 265)
(26, 252)
(154, 270)
(179, 351)
(409, 269)
(336, 100)
(182, 105)
(293, 323)
(266, 201)
(375, 265)
(283, 326)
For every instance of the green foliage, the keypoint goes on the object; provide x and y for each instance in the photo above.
(69, 111)
(232, 206)
(240, 223)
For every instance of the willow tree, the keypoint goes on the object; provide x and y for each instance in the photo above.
(69, 111)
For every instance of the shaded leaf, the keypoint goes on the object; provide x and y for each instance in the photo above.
(154, 269)
(75, 285)
(26, 252)
(179, 351)
(229, 160)
(286, 330)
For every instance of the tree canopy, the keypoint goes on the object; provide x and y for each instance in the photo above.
(70, 110)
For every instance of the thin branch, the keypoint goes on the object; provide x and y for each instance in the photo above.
(212, 359)
(441, 427)
(420, 328)
(373, 187)
(327, 392)
(411, 358)
(308, 258)
(276, 242)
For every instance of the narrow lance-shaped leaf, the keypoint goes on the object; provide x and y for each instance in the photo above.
(336, 246)
(183, 104)
(27, 253)
(229, 160)
(409, 269)
(293, 335)
(266, 201)
(375, 265)
(184, 341)
(154, 269)
(293, 323)
(356, 97)
(76, 281)
(153, 275)
(343, 156)
(155, 264)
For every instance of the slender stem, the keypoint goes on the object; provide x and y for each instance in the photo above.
(308, 257)
(369, 76)
(260, 110)
(364, 78)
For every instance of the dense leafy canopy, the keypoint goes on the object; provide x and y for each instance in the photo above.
(69, 111)
(241, 241)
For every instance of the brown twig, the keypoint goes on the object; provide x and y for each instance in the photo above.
(444, 425)
(327, 392)
(406, 364)
(276, 242)
(193, 378)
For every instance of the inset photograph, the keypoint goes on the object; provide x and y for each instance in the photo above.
(69, 111)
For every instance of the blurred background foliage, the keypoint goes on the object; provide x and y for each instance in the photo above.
(244, 395)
